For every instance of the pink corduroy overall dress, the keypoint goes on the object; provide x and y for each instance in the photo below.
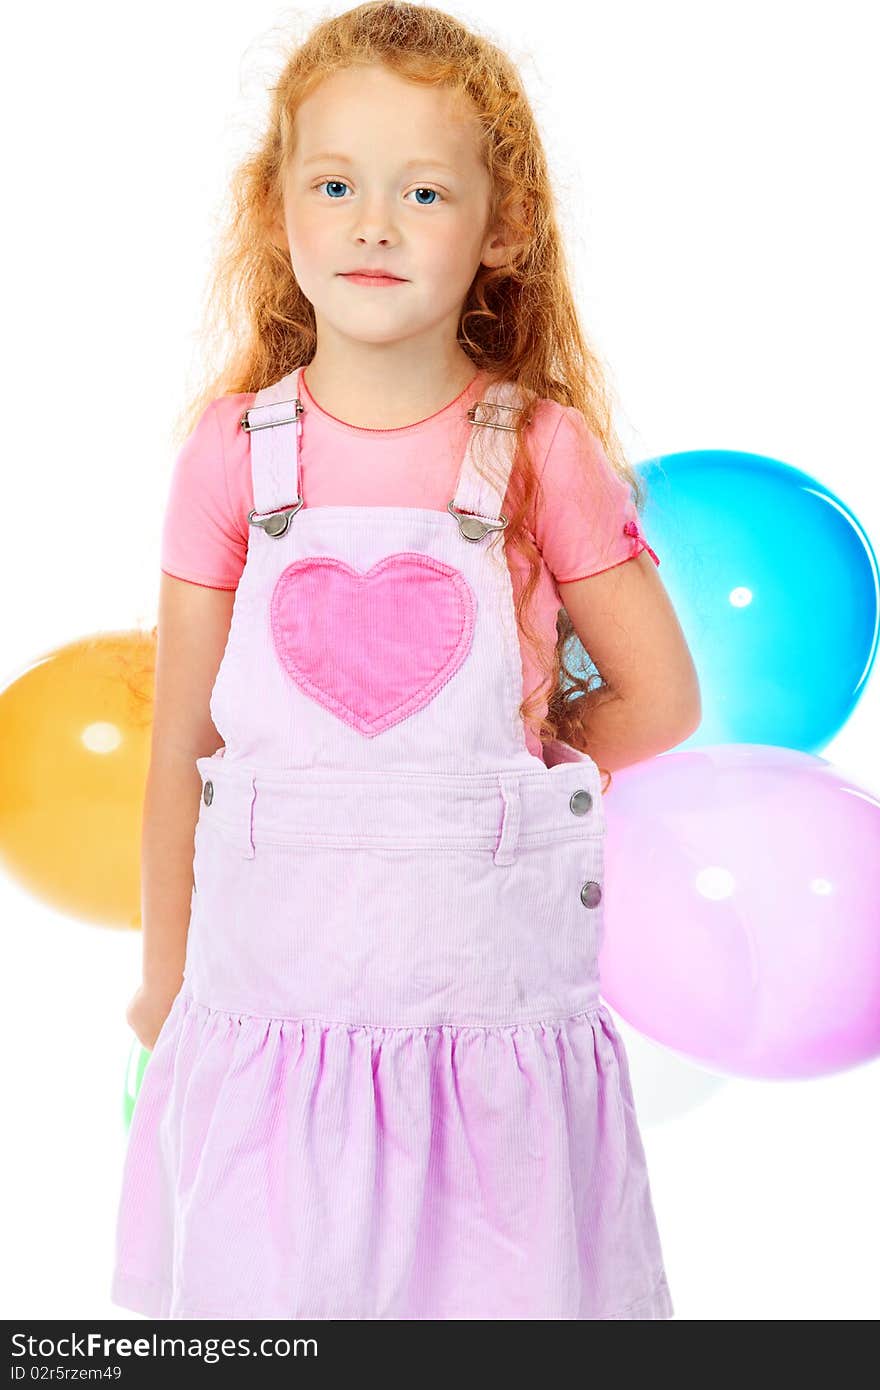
(387, 1088)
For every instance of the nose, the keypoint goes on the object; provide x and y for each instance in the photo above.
(373, 233)
(374, 223)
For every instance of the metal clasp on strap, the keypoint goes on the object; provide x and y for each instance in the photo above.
(473, 528)
(493, 424)
(275, 523)
(270, 424)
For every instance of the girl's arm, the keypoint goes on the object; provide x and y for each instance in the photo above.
(192, 631)
(650, 699)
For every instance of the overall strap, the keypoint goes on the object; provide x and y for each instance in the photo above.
(275, 427)
(478, 500)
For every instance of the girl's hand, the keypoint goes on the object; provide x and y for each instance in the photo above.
(148, 1009)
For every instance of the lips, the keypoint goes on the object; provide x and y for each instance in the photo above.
(371, 274)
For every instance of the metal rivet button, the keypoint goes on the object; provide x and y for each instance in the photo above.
(581, 802)
(591, 893)
(209, 793)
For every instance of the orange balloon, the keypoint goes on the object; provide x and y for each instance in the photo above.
(75, 731)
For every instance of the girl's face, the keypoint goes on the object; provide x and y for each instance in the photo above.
(386, 174)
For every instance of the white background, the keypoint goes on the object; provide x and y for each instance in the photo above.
(715, 166)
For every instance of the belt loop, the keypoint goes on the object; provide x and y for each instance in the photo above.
(248, 851)
(505, 850)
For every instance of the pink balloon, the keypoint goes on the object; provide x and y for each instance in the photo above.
(742, 909)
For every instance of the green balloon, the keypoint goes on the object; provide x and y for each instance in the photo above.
(138, 1058)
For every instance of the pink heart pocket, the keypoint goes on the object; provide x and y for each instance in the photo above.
(375, 647)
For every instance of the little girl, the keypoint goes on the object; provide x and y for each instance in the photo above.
(382, 1082)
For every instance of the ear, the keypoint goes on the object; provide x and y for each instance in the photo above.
(499, 245)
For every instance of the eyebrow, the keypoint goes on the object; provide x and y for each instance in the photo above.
(410, 163)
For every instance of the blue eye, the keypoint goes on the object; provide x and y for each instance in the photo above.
(340, 183)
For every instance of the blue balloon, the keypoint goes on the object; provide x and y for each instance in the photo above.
(776, 586)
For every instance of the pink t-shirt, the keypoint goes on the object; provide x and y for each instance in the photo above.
(585, 520)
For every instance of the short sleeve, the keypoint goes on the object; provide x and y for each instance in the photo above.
(202, 536)
(586, 518)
